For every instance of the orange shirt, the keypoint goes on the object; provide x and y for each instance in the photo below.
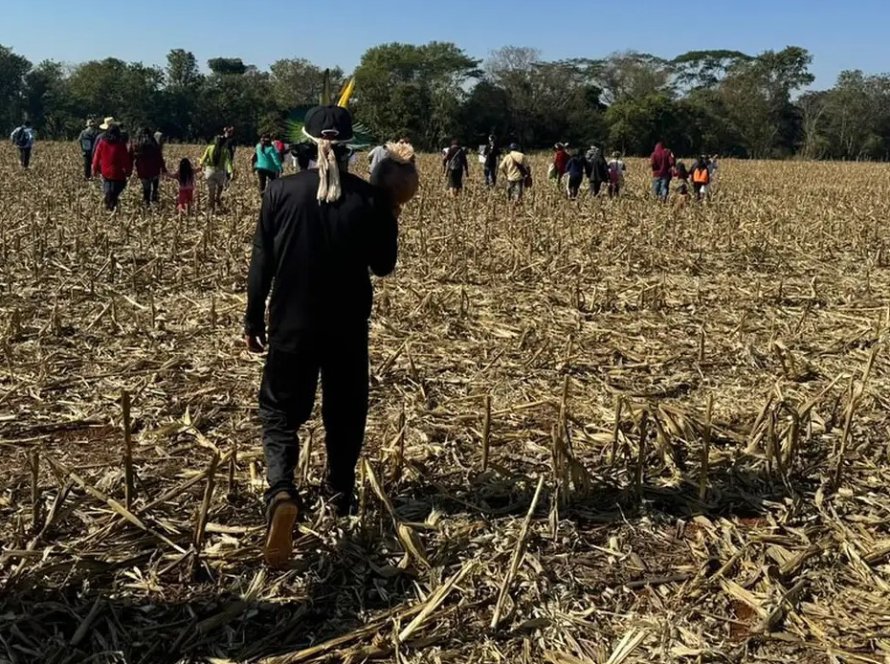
(701, 175)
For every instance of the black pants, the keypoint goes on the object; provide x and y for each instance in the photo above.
(614, 189)
(25, 157)
(491, 176)
(113, 190)
(150, 190)
(595, 186)
(265, 177)
(574, 185)
(87, 165)
(287, 395)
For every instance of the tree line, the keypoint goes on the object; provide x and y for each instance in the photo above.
(715, 101)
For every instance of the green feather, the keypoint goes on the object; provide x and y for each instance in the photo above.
(326, 89)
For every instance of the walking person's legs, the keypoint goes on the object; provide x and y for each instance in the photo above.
(118, 187)
(112, 190)
(155, 189)
(108, 194)
(215, 183)
(574, 187)
(344, 381)
(87, 165)
(25, 157)
(262, 176)
(286, 397)
(146, 191)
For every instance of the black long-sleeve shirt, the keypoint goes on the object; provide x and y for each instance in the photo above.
(318, 255)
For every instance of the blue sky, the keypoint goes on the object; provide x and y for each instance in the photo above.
(839, 35)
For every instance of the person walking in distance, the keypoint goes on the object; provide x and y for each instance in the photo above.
(112, 160)
(661, 162)
(87, 142)
(597, 170)
(148, 161)
(23, 138)
(185, 179)
(560, 161)
(576, 167)
(266, 161)
(217, 164)
(492, 158)
(617, 169)
(320, 232)
(701, 178)
(516, 169)
(454, 166)
(228, 134)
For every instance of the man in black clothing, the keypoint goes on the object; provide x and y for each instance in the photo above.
(455, 166)
(492, 156)
(319, 233)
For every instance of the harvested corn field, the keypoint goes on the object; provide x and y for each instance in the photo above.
(600, 431)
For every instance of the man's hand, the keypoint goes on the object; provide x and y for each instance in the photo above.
(256, 343)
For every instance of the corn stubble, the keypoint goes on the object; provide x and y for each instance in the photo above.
(601, 431)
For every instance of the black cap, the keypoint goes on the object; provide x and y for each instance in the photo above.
(330, 122)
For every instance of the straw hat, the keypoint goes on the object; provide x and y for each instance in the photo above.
(109, 122)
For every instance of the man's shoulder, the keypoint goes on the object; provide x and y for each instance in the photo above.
(306, 183)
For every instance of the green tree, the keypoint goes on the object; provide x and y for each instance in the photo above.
(549, 102)
(757, 97)
(183, 84)
(47, 103)
(631, 75)
(298, 82)
(13, 69)
(695, 70)
(418, 90)
(227, 66)
(635, 125)
(240, 100)
(131, 92)
(486, 111)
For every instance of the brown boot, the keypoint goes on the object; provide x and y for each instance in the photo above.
(282, 516)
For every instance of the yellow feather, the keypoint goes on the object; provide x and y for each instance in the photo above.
(347, 93)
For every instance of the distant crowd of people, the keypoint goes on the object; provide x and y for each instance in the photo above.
(109, 152)
(569, 168)
(666, 168)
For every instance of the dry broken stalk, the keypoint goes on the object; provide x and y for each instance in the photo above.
(706, 451)
(516, 560)
(486, 432)
(129, 486)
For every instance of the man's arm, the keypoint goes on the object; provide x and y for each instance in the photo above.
(259, 278)
(383, 238)
(97, 156)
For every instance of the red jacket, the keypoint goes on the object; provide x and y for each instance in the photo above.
(112, 160)
(662, 162)
(149, 162)
(561, 160)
